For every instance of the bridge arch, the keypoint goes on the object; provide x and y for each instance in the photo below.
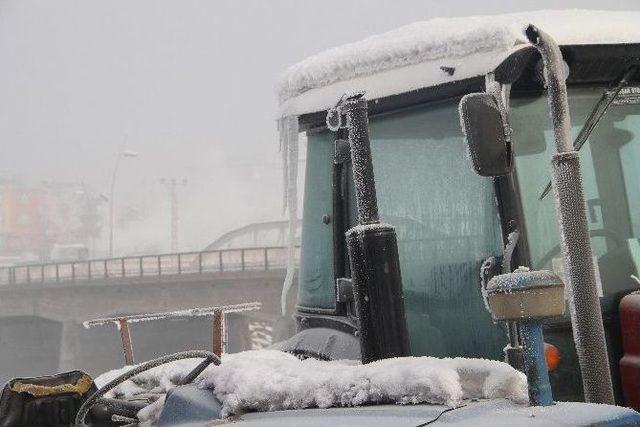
(259, 234)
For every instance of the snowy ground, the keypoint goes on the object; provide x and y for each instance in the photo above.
(269, 380)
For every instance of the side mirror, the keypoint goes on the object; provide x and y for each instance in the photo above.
(487, 135)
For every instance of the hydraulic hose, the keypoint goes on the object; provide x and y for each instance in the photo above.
(210, 357)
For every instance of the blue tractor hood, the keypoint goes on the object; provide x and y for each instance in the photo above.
(190, 406)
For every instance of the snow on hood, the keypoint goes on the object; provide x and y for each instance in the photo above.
(271, 380)
(157, 380)
(410, 57)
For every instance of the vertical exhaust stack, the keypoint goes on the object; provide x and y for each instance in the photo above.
(373, 252)
(584, 305)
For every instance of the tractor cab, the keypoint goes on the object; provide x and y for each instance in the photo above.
(450, 221)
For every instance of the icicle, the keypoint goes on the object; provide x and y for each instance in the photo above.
(284, 150)
(289, 142)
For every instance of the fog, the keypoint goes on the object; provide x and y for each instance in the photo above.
(188, 85)
(103, 103)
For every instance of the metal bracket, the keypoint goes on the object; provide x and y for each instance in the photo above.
(512, 242)
(344, 287)
(489, 268)
(336, 116)
(342, 151)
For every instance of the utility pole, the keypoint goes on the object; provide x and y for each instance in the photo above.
(121, 155)
(172, 186)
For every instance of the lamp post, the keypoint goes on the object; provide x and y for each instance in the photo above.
(122, 154)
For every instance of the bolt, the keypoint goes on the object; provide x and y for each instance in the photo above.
(326, 219)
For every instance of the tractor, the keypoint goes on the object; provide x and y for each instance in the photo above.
(472, 189)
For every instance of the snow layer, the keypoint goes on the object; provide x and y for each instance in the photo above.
(157, 380)
(269, 380)
(150, 414)
(410, 57)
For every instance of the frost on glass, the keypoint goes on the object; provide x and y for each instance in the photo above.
(609, 162)
(446, 221)
(316, 286)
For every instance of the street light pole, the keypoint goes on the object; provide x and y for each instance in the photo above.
(124, 153)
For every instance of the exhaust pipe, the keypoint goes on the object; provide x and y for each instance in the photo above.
(584, 305)
(373, 252)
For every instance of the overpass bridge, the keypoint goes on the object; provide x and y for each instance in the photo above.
(42, 306)
(149, 266)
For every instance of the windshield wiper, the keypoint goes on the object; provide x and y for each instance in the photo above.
(607, 97)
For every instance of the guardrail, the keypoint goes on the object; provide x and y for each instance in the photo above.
(243, 259)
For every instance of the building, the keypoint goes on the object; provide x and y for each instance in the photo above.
(36, 218)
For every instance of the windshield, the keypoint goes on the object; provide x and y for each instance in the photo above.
(610, 165)
(446, 222)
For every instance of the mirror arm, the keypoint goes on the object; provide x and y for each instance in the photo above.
(501, 93)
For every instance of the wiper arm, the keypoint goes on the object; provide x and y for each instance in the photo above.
(596, 114)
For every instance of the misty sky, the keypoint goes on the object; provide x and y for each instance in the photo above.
(187, 84)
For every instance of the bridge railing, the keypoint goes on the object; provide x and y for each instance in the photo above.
(244, 259)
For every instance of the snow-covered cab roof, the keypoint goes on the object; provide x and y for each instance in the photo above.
(437, 52)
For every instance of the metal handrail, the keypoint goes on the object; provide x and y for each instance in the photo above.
(219, 320)
(220, 260)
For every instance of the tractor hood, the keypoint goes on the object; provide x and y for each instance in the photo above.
(485, 413)
(271, 388)
(192, 406)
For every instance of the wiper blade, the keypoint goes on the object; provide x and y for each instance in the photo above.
(596, 114)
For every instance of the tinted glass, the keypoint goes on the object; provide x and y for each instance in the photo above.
(316, 286)
(447, 224)
(610, 165)
(446, 221)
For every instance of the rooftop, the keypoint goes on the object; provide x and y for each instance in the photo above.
(438, 51)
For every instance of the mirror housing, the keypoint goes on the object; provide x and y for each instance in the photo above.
(487, 134)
